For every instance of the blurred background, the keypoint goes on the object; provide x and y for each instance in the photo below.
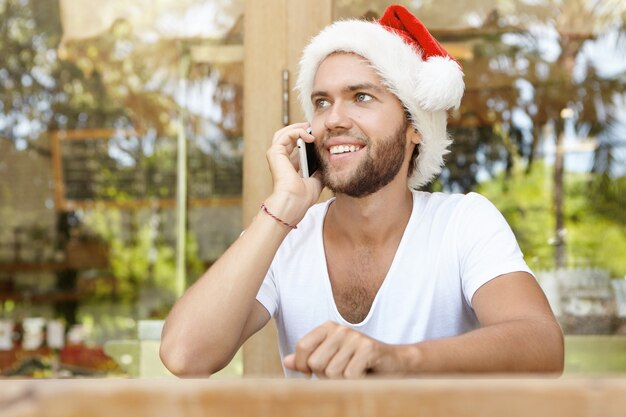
(122, 161)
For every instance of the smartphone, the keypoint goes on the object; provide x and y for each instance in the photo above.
(308, 158)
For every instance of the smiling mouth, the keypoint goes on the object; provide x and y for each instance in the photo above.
(339, 149)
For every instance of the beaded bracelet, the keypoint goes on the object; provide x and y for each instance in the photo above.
(279, 220)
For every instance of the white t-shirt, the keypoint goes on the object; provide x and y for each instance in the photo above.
(452, 245)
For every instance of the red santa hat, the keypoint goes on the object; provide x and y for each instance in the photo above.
(413, 66)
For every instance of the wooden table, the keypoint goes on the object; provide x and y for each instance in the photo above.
(449, 397)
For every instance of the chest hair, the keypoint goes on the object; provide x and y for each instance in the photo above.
(355, 277)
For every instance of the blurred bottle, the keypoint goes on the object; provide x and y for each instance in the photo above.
(55, 335)
(33, 335)
(6, 334)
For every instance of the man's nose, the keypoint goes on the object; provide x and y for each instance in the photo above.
(337, 117)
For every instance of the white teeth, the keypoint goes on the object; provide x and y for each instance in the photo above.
(343, 148)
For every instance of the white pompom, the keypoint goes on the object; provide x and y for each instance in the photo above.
(439, 84)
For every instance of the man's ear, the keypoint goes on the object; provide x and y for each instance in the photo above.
(414, 135)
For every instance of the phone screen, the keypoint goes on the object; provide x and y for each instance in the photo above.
(311, 158)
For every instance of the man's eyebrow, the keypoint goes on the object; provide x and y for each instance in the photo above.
(364, 86)
(352, 88)
(319, 93)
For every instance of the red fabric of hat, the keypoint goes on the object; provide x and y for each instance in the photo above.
(400, 21)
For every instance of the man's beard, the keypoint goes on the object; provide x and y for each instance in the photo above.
(372, 174)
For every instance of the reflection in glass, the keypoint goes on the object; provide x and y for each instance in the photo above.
(94, 96)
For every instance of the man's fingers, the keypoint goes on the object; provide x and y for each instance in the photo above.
(289, 134)
(335, 351)
(282, 155)
(306, 346)
(294, 157)
(337, 365)
(363, 359)
(290, 361)
(303, 125)
(336, 339)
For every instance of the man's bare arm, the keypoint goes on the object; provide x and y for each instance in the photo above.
(219, 312)
(518, 333)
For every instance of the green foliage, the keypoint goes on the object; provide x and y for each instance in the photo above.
(592, 239)
(141, 258)
(607, 197)
(525, 201)
(596, 226)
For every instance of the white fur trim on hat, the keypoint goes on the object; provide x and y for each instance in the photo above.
(426, 88)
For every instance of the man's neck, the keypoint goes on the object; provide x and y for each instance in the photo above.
(371, 220)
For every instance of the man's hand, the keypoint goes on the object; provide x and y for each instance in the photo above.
(284, 163)
(292, 195)
(334, 351)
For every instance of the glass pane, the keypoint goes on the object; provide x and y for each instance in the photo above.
(542, 132)
(95, 98)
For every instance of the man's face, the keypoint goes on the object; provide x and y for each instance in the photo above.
(362, 127)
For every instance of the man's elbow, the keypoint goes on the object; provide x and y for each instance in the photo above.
(554, 351)
(184, 363)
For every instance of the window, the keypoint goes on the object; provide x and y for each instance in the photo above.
(98, 101)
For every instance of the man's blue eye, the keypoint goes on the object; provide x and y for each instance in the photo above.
(321, 103)
(363, 97)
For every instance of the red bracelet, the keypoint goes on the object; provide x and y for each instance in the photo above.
(279, 220)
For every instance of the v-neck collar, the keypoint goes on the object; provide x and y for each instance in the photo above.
(387, 281)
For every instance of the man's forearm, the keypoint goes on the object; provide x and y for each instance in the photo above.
(211, 320)
(204, 328)
(524, 345)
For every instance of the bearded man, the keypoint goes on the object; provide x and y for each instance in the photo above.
(382, 278)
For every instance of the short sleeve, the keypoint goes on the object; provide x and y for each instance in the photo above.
(486, 244)
(268, 293)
